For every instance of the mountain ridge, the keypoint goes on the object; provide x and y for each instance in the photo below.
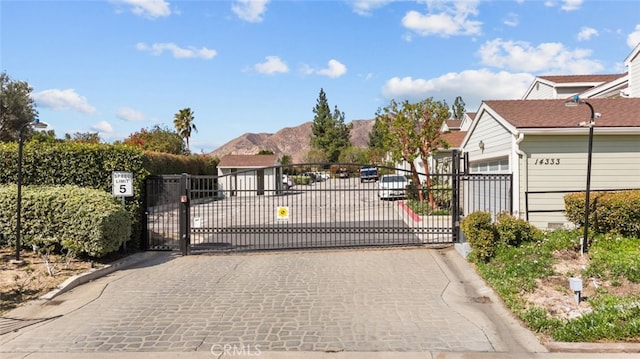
(290, 141)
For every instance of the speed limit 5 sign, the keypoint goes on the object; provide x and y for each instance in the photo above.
(122, 184)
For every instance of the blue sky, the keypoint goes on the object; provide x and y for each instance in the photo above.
(115, 67)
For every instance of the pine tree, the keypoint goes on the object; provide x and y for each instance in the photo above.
(329, 132)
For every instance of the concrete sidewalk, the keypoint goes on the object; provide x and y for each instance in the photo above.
(395, 303)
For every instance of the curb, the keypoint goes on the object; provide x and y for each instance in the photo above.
(96, 273)
(604, 348)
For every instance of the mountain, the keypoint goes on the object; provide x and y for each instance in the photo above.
(291, 141)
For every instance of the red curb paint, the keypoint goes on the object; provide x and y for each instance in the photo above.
(408, 210)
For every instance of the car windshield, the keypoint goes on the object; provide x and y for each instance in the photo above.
(394, 179)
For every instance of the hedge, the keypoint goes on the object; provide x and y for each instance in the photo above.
(91, 165)
(617, 212)
(80, 220)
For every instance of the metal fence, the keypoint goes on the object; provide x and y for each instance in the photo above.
(329, 206)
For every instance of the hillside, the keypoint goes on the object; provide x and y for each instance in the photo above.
(291, 141)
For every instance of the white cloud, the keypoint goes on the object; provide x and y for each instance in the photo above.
(571, 5)
(633, 39)
(473, 86)
(63, 100)
(272, 65)
(586, 33)
(550, 57)
(366, 7)
(102, 127)
(250, 10)
(147, 8)
(444, 19)
(177, 51)
(131, 115)
(511, 19)
(335, 69)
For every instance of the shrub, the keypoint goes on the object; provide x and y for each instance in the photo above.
(617, 212)
(513, 231)
(480, 234)
(81, 220)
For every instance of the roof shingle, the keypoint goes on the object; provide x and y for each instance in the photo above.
(249, 161)
(615, 112)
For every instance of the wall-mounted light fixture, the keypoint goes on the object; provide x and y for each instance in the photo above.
(481, 145)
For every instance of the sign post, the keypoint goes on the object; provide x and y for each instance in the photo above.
(122, 187)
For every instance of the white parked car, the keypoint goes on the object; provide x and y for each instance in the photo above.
(322, 176)
(392, 186)
(287, 182)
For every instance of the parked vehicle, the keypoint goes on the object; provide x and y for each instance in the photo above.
(368, 174)
(287, 182)
(392, 186)
(322, 176)
(343, 173)
(311, 176)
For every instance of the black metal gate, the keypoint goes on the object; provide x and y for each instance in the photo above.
(329, 206)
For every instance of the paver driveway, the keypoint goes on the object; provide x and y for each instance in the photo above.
(355, 300)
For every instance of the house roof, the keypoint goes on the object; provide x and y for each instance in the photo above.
(248, 161)
(454, 124)
(615, 112)
(454, 138)
(570, 79)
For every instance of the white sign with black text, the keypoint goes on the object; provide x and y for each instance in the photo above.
(122, 184)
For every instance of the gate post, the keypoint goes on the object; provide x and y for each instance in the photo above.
(184, 214)
(455, 195)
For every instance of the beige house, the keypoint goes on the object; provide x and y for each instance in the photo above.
(541, 143)
(249, 175)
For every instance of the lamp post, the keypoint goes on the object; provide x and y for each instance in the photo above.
(34, 124)
(575, 101)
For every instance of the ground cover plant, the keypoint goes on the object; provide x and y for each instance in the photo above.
(532, 277)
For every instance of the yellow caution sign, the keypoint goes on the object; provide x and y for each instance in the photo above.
(282, 213)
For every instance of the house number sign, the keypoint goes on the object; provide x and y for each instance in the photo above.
(547, 161)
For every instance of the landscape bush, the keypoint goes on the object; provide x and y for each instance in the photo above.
(514, 231)
(485, 237)
(90, 165)
(480, 232)
(617, 212)
(73, 219)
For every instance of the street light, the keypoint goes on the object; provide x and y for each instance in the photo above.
(574, 102)
(34, 124)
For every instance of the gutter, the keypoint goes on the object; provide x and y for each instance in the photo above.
(522, 176)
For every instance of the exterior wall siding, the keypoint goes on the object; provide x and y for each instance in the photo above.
(495, 137)
(542, 91)
(634, 77)
(559, 163)
(246, 182)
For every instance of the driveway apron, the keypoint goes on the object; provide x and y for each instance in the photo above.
(350, 300)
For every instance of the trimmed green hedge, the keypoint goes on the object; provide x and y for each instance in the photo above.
(617, 212)
(81, 220)
(91, 165)
(486, 237)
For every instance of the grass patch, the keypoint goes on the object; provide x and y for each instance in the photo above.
(516, 271)
(424, 209)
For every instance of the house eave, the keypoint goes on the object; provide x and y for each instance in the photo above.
(581, 131)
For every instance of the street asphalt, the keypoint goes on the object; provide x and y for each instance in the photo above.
(352, 304)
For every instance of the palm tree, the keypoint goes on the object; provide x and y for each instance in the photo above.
(183, 122)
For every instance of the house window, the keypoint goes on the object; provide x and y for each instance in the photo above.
(492, 166)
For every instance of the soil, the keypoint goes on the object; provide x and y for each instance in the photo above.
(30, 279)
(554, 293)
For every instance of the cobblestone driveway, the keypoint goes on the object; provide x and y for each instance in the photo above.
(368, 300)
